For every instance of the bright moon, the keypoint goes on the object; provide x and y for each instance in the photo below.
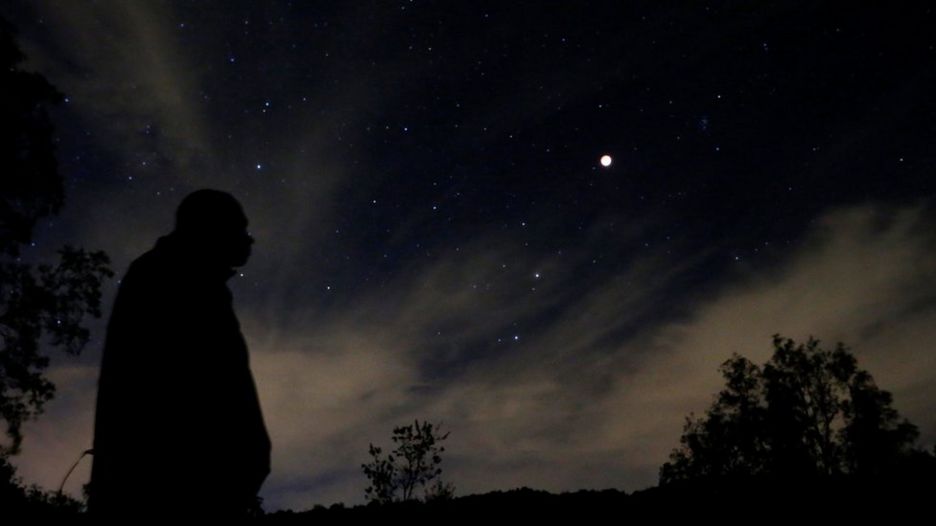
(606, 160)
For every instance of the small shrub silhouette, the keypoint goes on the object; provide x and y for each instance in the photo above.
(414, 464)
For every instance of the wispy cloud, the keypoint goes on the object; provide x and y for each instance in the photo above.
(565, 408)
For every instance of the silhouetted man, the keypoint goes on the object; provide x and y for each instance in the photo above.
(178, 427)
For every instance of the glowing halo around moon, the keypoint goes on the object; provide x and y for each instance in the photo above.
(606, 160)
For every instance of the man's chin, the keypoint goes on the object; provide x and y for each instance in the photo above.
(238, 260)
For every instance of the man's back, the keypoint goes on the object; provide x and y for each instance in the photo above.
(178, 426)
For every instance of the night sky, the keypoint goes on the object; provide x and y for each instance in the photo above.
(438, 239)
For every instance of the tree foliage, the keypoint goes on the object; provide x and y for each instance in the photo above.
(22, 501)
(413, 464)
(40, 304)
(809, 411)
(31, 186)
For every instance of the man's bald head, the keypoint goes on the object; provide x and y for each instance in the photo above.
(216, 221)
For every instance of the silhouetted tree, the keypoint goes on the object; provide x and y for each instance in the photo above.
(413, 464)
(808, 412)
(20, 501)
(727, 441)
(38, 303)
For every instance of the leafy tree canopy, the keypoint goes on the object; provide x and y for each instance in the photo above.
(807, 412)
(40, 304)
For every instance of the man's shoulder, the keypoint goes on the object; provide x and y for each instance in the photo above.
(163, 271)
(146, 266)
(152, 269)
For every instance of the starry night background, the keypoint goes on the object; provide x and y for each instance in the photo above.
(436, 237)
